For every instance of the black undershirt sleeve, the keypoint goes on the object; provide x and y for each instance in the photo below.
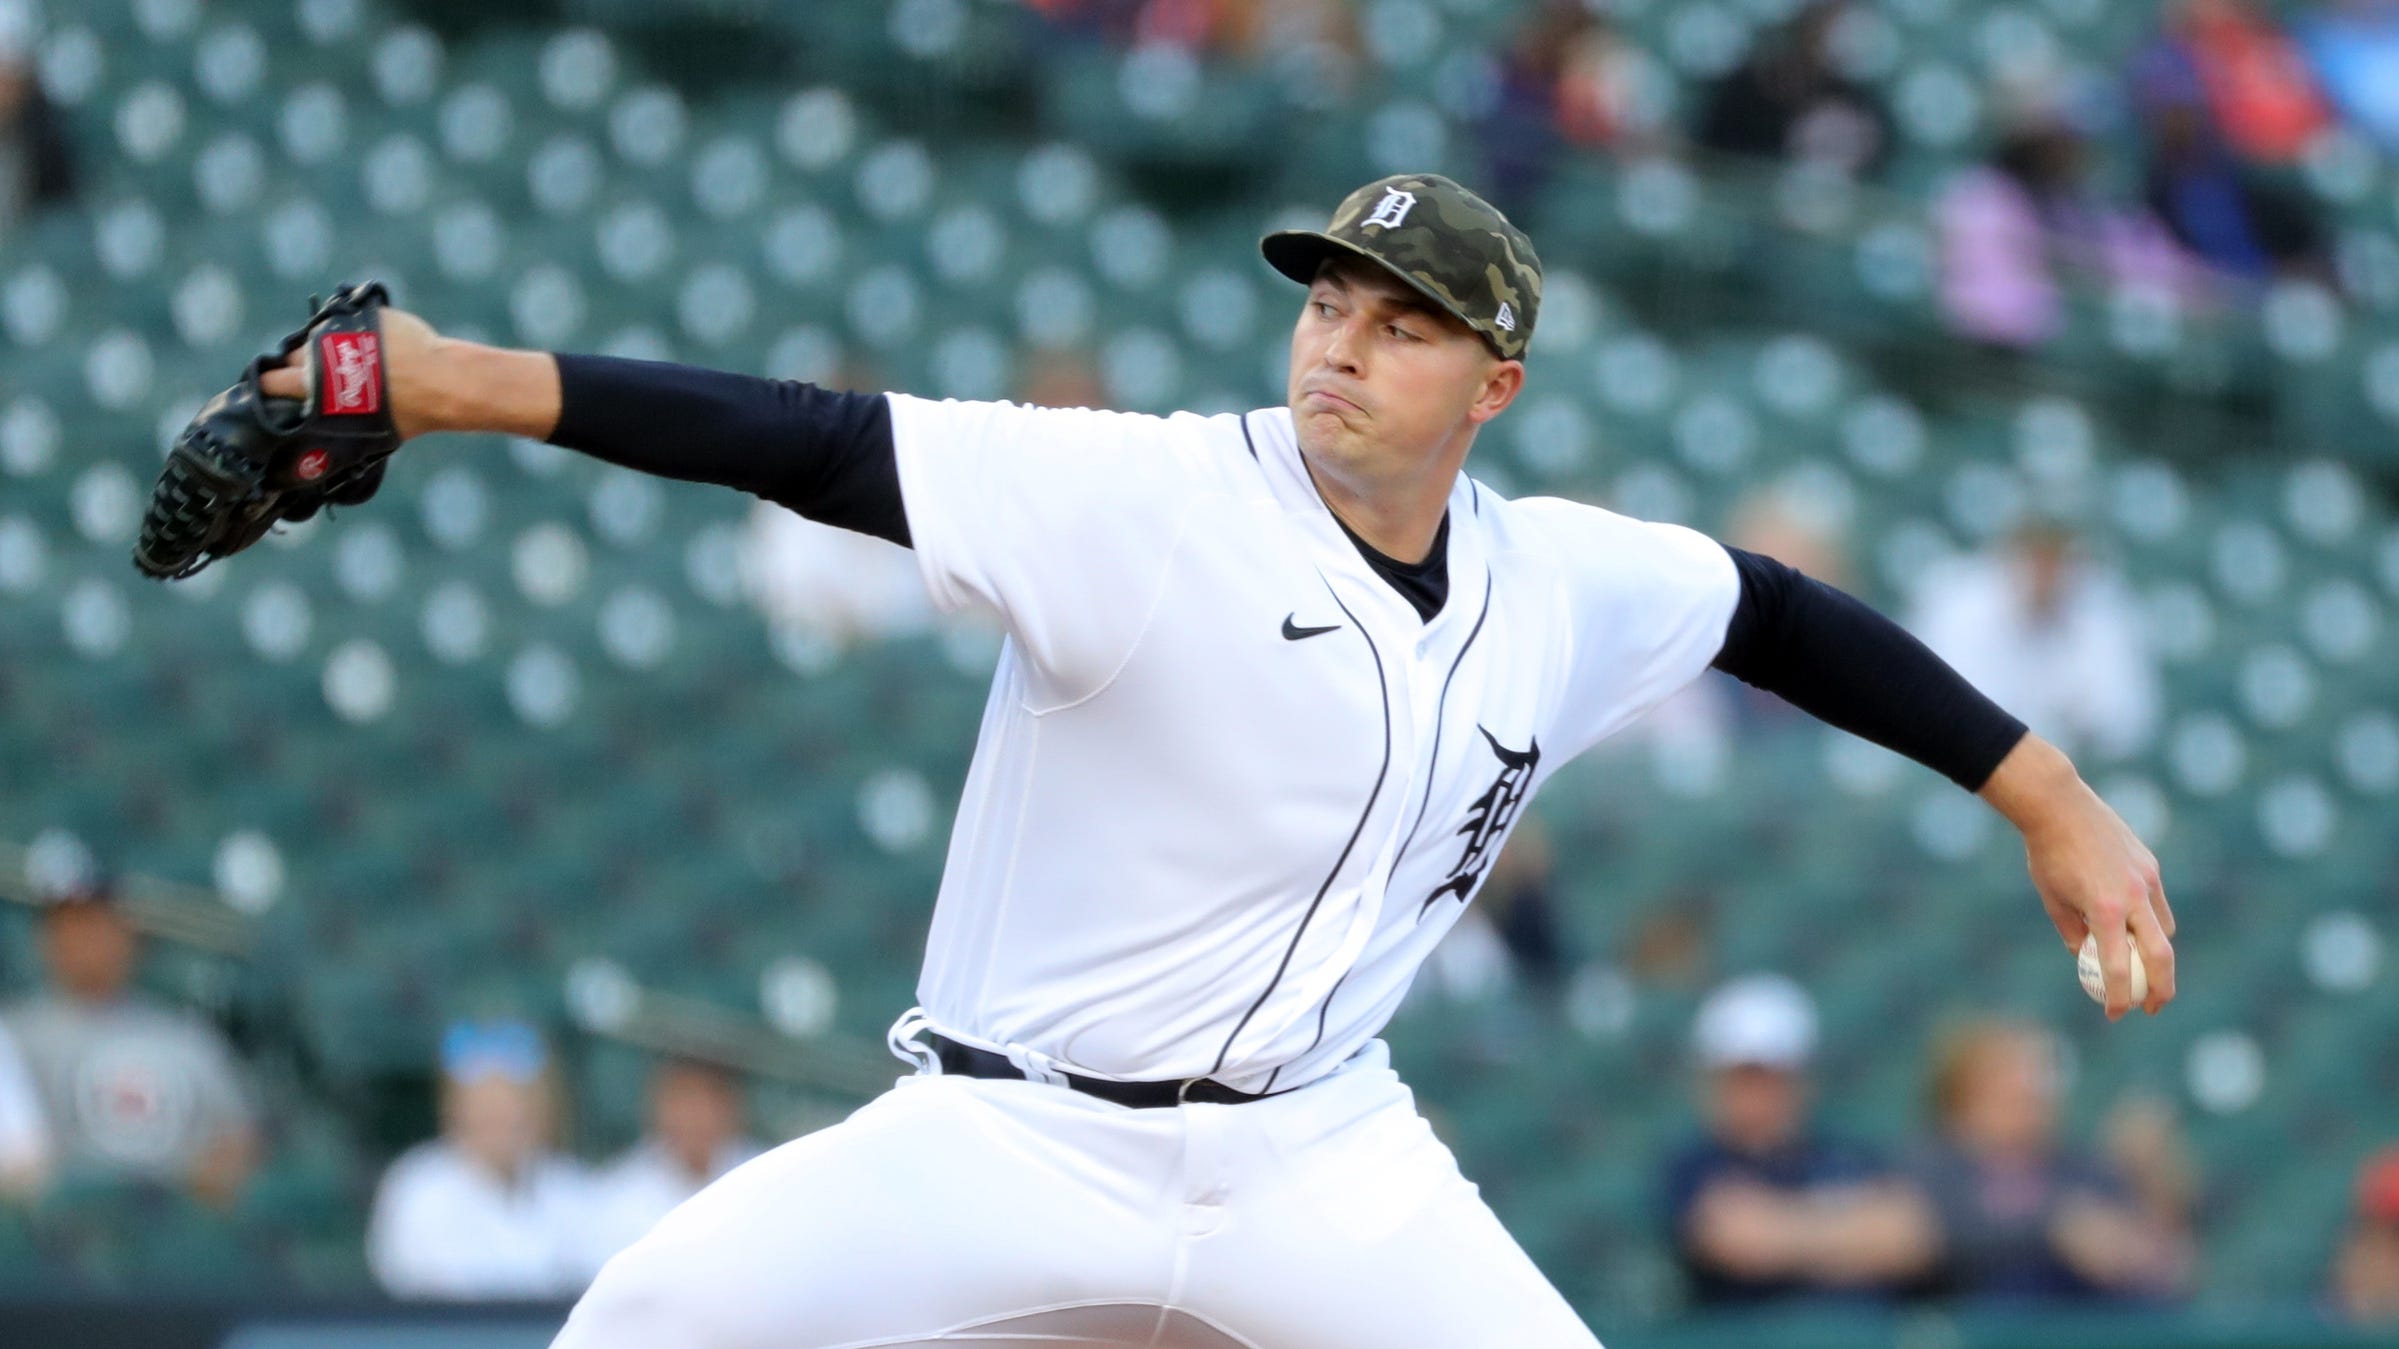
(827, 455)
(1832, 657)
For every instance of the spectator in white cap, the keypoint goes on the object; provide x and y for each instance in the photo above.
(488, 1211)
(1761, 1206)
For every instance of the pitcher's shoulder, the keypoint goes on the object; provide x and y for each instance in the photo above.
(1540, 523)
(1579, 536)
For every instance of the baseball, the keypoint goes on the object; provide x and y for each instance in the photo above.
(2086, 968)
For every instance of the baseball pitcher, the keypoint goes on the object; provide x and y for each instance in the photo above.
(1275, 688)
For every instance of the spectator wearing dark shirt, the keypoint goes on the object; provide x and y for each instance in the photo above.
(1510, 940)
(1567, 81)
(1523, 907)
(1791, 101)
(2023, 1217)
(36, 167)
(2208, 190)
(1762, 1207)
(2255, 79)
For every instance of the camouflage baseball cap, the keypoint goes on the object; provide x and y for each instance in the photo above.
(1441, 239)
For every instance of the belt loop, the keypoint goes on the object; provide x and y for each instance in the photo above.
(1035, 1065)
(907, 1048)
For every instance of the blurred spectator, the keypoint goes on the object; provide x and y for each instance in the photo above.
(824, 588)
(1521, 900)
(2142, 1139)
(2365, 1271)
(36, 167)
(1313, 44)
(1791, 101)
(1672, 946)
(1802, 529)
(2022, 1216)
(1193, 24)
(1690, 737)
(1510, 936)
(2229, 218)
(2012, 229)
(24, 1135)
(695, 1134)
(2051, 635)
(2211, 115)
(1567, 81)
(1108, 19)
(486, 1211)
(130, 1086)
(1798, 528)
(1063, 379)
(2354, 46)
(1763, 1207)
(2231, 56)
(1314, 39)
(830, 587)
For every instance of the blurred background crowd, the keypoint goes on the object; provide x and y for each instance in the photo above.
(428, 903)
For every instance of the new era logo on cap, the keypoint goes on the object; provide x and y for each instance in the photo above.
(350, 365)
(1506, 318)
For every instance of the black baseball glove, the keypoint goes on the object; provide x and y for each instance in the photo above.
(249, 460)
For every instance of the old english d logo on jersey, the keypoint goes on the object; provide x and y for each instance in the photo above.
(1488, 819)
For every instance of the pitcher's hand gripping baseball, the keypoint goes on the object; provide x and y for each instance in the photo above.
(251, 459)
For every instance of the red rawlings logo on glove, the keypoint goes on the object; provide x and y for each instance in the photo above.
(351, 367)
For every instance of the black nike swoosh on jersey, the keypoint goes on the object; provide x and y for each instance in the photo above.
(1292, 632)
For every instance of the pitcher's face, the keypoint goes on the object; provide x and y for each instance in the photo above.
(1381, 380)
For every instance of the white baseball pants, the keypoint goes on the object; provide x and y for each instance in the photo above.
(953, 1210)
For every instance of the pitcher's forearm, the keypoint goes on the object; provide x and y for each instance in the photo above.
(467, 386)
(2033, 783)
(828, 455)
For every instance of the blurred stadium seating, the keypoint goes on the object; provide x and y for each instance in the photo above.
(514, 714)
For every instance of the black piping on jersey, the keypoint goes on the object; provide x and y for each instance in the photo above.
(1245, 438)
(1382, 684)
(1322, 1014)
(1440, 712)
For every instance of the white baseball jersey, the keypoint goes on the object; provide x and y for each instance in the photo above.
(1230, 787)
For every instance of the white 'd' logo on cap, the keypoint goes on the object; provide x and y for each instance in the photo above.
(1392, 210)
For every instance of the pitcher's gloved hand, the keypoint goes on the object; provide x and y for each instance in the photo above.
(250, 459)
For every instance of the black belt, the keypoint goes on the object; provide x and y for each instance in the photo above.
(968, 1061)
